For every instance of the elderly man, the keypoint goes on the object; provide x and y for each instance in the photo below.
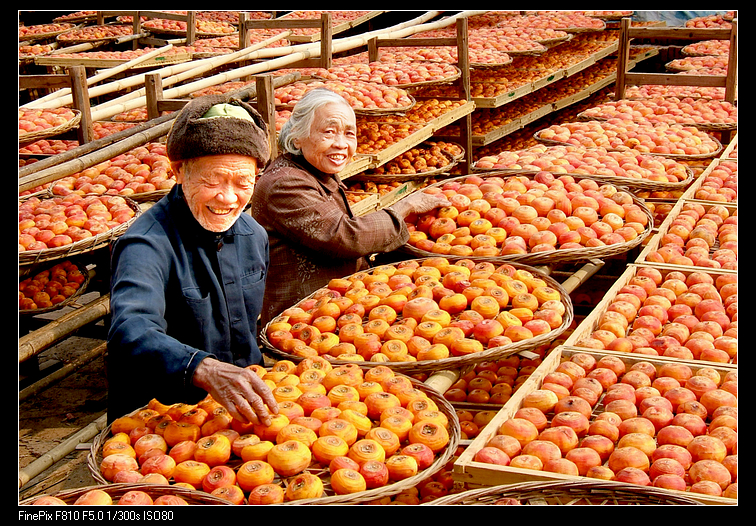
(188, 276)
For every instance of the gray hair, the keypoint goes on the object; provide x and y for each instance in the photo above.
(300, 122)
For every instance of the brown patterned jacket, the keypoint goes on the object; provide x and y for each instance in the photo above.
(313, 234)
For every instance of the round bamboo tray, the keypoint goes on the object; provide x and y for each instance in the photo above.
(48, 34)
(76, 39)
(72, 298)
(52, 132)
(705, 126)
(151, 27)
(551, 42)
(358, 111)
(393, 178)
(456, 73)
(116, 491)
(457, 151)
(456, 362)
(676, 156)
(94, 458)
(577, 29)
(569, 255)
(612, 17)
(482, 65)
(90, 244)
(573, 492)
(629, 182)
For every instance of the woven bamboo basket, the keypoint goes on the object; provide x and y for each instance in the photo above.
(49, 34)
(457, 362)
(68, 301)
(442, 458)
(583, 29)
(551, 42)
(676, 156)
(62, 38)
(458, 153)
(52, 132)
(628, 182)
(199, 33)
(393, 178)
(705, 126)
(90, 244)
(561, 255)
(116, 491)
(689, 51)
(358, 111)
(606, 16)
(481, 65)
(566, 493)
(446, 80)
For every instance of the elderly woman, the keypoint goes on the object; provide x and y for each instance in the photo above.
(301, 202)
(188, 276)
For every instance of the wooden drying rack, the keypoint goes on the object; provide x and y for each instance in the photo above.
(625, 78)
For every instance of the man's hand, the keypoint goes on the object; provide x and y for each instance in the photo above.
(238, 389)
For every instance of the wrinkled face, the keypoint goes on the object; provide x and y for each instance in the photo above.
(332, 140)
(217, 188)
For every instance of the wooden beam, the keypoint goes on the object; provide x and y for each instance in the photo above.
(266, 105)
(680, 33)
(672, 79)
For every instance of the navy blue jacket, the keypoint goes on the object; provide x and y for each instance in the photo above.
(179, 294)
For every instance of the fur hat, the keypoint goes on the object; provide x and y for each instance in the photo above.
(216, 125)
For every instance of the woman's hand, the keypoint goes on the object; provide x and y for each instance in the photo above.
(419, 203)
(241, 391)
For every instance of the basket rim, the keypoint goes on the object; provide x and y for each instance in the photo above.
(90, 244)
(493, 353)
(119, 489)
(51, 132)
(574, 488)
(68, 301)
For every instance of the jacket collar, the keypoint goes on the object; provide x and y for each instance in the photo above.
(331, 182)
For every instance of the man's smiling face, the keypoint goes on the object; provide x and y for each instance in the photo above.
(217, 188)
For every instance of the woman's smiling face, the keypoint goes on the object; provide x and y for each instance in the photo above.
(217, 188)
(333, 138)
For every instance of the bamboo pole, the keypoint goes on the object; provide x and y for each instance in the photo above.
(295, 54)
(104, 74)
(63, 372)
(89, 147)
(281, 57)
(80, 163)
(51, 457)
(200, 67)
(175, 69)
(35, 342)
